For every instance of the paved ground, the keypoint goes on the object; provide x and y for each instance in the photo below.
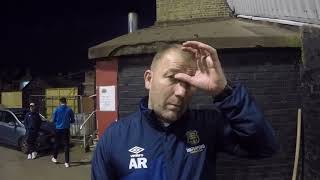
(15, 166)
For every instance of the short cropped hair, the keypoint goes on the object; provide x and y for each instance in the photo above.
(172, 47)
(63, 100)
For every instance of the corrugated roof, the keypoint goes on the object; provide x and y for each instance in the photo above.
(307, 11)
(226, 33)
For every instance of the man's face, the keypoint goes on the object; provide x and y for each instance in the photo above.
(32, 108)
(169, 97)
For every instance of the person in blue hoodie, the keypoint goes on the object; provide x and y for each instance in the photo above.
(32, 123)
(165, 140)
(62, 117)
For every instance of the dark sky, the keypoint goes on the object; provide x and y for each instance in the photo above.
(50, 33)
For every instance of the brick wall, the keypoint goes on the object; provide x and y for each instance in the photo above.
(168, 10)
(131, 82)
(311, 102)
(272, 75)
(88, 84)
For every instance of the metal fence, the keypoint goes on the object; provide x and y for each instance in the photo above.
(89, 127)
(47, 105)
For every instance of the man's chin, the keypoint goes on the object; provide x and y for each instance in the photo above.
(170, 117)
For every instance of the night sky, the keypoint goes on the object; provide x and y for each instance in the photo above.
(57, 34)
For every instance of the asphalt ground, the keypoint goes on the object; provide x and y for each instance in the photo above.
(15, 166)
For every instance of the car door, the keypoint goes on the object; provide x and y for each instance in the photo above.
(13, 128)
(3, 128)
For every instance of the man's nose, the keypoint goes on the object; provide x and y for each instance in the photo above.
(181, 89)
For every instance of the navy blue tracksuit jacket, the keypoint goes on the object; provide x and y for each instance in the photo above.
(138, 147)
(32, 122)
(63, 116)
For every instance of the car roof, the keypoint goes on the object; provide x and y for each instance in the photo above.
(17, 110)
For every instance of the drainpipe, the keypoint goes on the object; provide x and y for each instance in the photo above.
(298, 140)
(132, 22)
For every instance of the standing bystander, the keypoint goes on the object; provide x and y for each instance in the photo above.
(62, 117)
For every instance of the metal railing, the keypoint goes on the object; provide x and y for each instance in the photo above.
(83, 126)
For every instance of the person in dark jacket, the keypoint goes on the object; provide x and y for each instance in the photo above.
(165, 140)
(62, 117)
(32, 124)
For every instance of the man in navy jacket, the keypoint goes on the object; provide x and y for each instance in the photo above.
(32, 123)
(165, 140)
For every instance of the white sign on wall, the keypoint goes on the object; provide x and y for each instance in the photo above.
(107, 98)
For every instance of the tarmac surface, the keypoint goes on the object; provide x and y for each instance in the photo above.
(15, 166)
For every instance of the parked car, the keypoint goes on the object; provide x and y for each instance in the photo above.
(13, 132)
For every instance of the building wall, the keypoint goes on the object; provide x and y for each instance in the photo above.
(36, 87)
(272, 75)
(106, 75)
(311, 102)
(89, 83)
(168, 10)
(131, 82)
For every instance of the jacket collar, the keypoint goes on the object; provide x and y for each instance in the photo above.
(150, 116)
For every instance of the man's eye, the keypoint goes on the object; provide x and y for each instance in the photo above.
(171, 78)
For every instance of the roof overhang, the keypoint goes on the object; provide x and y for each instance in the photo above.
(221, 34)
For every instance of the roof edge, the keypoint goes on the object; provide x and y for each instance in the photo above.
(218, 43)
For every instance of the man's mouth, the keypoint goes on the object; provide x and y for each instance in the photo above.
(174, 107)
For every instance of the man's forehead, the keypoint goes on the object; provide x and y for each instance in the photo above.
(180, 69)
(178, 66)
(177, 57)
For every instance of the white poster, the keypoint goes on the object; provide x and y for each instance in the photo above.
(107, 98)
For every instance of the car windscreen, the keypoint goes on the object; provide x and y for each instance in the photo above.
(20, 116)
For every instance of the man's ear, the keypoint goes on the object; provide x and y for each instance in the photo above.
(147, 79)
